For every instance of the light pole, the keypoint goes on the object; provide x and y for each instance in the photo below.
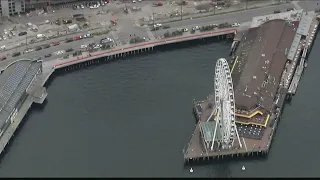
(181, 10)
(26, 41)
(247, 4)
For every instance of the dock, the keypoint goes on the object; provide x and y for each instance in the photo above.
(268, 64)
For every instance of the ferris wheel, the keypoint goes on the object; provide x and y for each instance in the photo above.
(225, 106)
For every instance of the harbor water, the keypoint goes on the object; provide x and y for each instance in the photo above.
(133, 117)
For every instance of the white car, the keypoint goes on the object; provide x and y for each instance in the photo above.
(97, 46)
(29, 50)
(235, 24)
(58, 52)
(197, 27)
(82, 6)
(83, 46)
(3, 47)
(185, 30)
(134, 1)
(89, 35)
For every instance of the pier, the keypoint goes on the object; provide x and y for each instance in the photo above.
(267, 64)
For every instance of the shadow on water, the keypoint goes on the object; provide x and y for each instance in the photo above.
(230, 159)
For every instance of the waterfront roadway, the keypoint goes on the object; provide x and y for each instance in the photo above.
(242, 16)
(235, 17)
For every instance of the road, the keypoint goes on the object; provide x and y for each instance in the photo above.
(240, 17)
(309, 5)
(125, 28)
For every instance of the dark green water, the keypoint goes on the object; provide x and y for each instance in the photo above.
(133, 118)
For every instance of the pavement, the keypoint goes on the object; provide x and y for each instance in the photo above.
(125, 29)
(308, 5)
(239, 17)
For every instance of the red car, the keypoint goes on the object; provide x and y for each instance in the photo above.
(3, 58)
(55, 43)
(78, 38)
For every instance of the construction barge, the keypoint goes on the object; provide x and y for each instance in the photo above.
(240, 117)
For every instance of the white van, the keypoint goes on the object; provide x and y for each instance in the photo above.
(40, 36)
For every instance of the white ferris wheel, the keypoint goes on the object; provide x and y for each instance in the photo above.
(225, 131)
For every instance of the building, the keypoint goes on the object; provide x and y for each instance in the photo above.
(15, 7)
(262, 64)
(16, 81)
(11, 7)
(36, 4)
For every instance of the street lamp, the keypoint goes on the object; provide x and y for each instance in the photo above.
(181, 10)
(247, 4)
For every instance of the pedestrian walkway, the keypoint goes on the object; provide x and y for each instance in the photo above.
(150, 34)
(296, 5)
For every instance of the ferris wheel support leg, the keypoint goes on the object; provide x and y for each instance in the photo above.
(211, 115)
(238, 138)
(214, 135)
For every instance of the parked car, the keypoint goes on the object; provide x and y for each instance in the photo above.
(22, 33)
(166, 26)
(69, 40)
(3, 58)
(78, 38)
(15, 54)
(46, 46)
(47, 55)
(67, 21)
(29, 50)
(69, 50)
(55, 43)
(235, 24)
(38, 48)
(290, 9)
(276, 11)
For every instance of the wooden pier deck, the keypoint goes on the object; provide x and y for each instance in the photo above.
(196, 151)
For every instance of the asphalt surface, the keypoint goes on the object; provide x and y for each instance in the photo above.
(125, 28)
(63, 46)
(236, 17)
(241, 16)
(309, 5)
